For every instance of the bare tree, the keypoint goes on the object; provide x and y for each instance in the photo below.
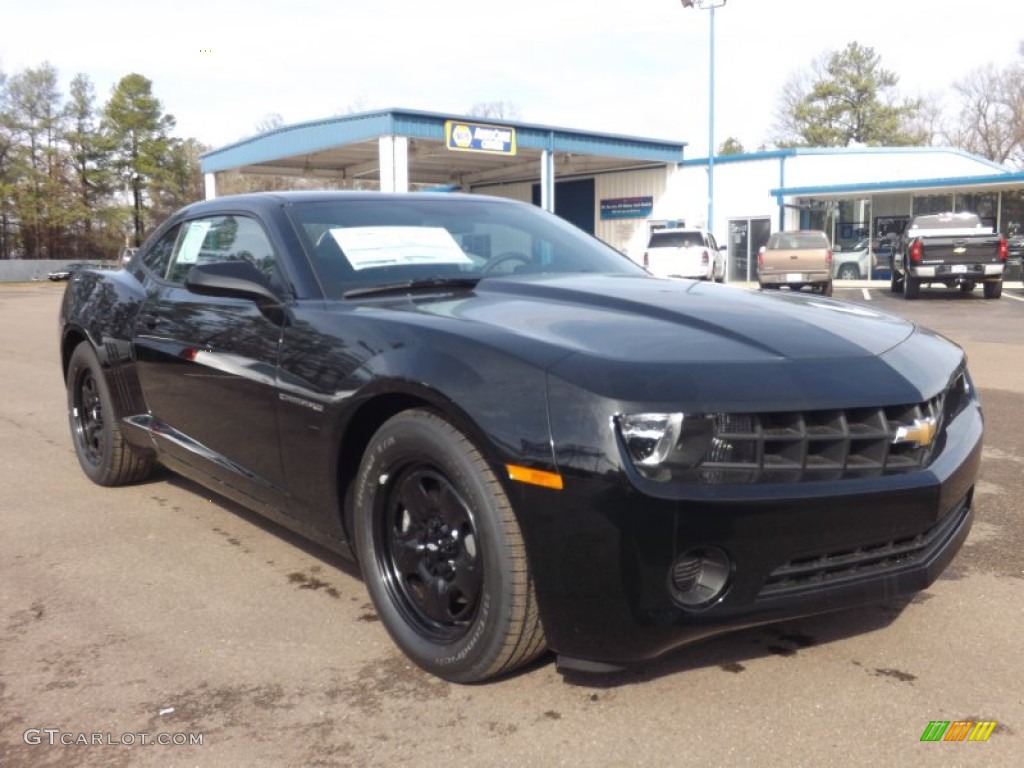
(991, 119)
(500, 110)
(269, 122)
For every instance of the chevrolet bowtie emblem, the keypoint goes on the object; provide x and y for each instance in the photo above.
(921, 432)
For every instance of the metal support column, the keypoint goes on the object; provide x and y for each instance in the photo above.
(394, 163)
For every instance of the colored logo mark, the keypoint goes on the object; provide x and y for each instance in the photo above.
(462, 135)
(958, 730)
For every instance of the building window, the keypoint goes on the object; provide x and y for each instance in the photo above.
(933, 203)
(985, 204)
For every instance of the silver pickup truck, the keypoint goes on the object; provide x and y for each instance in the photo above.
(954, 249)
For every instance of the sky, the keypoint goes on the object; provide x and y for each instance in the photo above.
(638, 68)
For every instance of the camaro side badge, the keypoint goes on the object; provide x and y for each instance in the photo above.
(921, 432)
(300, 401)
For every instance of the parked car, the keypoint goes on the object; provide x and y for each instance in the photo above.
(1015, 247)
(854, 263)
(796, 258)
(525, 440)
(952, 249)
(690, 253)
(65, 272)
(857, 263)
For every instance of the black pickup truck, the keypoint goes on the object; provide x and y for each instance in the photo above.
(954, 249)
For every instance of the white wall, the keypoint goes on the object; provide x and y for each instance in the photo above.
(884, 164)
(628, 235)
(741, 191)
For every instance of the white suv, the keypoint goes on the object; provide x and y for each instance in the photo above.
(691, 253)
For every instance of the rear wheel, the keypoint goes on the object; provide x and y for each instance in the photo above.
(993, 290)
(101, 449)
(441, 552)
(966, 287)
(911, 287)
(895, 282)
(826, 288)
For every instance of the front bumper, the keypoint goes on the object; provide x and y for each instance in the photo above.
(601, 551)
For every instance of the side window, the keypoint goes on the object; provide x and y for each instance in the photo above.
(159, 256)
(223, 238)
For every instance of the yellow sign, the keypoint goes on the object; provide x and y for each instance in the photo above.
(461, 136)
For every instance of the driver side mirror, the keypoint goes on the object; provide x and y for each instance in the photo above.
(231, 279)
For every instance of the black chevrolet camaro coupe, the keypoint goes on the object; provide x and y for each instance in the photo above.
(527, 441)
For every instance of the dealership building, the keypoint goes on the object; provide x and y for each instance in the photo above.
(619, 188)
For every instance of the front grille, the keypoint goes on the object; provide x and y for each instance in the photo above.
(835, 567)
(834, 444)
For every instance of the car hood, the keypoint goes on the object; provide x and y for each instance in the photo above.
(642, 338)
(647, 320)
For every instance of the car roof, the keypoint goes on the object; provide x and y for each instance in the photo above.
(263, 200)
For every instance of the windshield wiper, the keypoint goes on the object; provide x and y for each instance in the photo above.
(413, 285)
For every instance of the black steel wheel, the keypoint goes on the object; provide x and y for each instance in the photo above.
(101, 450)
(441, 552)
(994, 290)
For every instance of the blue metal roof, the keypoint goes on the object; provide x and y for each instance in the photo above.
(318, 135)
(796, 151)
(997, 179)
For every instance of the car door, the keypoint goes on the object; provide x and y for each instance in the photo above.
(208, 365)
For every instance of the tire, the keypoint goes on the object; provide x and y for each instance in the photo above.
(826, 288)
(966, 287)
(102, 452)
(994, 290)
(911, 288)
(848, 272)
(895, 283)
(441, 552)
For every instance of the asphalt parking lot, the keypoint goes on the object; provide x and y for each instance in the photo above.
(160, 610)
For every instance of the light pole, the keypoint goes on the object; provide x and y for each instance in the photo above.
(710, 5)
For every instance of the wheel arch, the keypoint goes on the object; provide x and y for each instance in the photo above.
(72, 337)
(387, 400)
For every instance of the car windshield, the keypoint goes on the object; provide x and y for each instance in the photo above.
(797, 241)
(671, 239)
(359, 244)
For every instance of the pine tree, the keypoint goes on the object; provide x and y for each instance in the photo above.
(138, 134)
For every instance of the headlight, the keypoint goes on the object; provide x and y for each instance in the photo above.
(660, 443)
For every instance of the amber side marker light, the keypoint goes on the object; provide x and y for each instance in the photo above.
(535, 476)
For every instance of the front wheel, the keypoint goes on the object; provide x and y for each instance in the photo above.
(101, 450)
(848, 272)
(441, 552)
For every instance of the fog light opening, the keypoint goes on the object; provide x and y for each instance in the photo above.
(699, 577)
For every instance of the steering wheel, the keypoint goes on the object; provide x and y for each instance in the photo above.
(501, 258)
